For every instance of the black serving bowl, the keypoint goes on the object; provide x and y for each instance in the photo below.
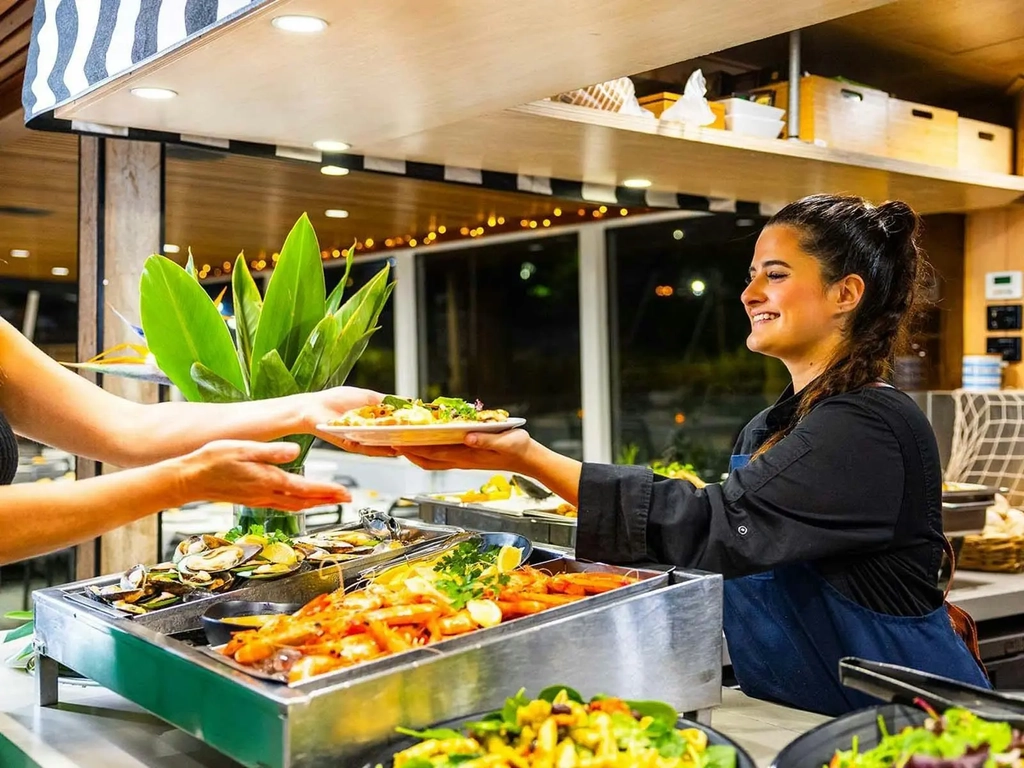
(219, 631)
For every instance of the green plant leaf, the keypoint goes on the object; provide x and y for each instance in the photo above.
(372, 292)
(213, 388)
(319, 345)
(294, 303)
(359, 316)
(190, 266)
(272, 378)
(334, 300)
(349, 356)
(18, 615)
(182, 327)
(19, 632)
(248, 309)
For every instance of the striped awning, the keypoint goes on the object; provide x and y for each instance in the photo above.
(78, 45)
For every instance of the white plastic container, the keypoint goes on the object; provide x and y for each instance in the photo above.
(749, 108)
(754, 126)
(982, 373)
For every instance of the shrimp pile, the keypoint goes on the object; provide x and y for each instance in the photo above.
(415, 609)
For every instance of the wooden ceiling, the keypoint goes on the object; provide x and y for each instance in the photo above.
(15, 33)
(221, 204)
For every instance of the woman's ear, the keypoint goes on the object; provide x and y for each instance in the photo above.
(848, 293)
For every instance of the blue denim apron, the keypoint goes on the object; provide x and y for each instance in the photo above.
(788, 628)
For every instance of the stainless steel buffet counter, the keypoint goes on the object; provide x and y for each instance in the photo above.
(94, 728)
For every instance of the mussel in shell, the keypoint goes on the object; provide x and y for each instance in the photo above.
(209, 582)
(116, 593)
(195, 545)
(530, 488)
(134, 578)
(217, 560)
(255, 569)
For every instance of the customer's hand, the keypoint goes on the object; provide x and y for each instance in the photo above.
(243, 472)
(506, 451)
(322, 407)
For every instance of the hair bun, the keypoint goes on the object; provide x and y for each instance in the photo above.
(896, 216)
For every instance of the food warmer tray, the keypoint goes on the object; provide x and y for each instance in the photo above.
(475, 516)
(625, 642)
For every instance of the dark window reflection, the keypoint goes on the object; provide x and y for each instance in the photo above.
(683, 382)
(501, 323)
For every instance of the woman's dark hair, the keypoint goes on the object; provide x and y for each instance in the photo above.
(848, 236)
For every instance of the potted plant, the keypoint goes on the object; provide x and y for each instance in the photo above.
(295, 339)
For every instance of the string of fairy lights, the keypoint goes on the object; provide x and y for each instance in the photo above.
(494, 224)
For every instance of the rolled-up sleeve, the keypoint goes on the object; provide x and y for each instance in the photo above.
(833, 486)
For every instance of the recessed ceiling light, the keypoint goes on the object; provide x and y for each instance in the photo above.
(331, 146)
(19, 253)
(154, 94)
(334, 170)
(336, 213)
(305, 24)
(636, 183)
(60, 271)
(171, 248)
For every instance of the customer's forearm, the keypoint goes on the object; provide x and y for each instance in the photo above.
(39, 518)
(165, 430)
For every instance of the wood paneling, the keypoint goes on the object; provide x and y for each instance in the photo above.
(221, 204)
(131, 225)
(15, 35)
(943, 242)
(995, 242)
(396, 67)
(572, 142)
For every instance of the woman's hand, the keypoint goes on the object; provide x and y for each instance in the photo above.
(242, 472)
(508, 451)
(322, 407)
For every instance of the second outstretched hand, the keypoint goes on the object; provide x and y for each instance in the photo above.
(243, 472)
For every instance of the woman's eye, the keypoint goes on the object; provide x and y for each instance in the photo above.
(776, 275)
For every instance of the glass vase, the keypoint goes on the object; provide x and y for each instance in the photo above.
(291, 524)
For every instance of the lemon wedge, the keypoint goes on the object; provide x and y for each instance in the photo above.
(251, 538)
(486, 613)
(279, 552)
(509, 558)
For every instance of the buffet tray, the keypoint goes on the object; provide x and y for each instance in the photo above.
(476, 516)
(623, 642)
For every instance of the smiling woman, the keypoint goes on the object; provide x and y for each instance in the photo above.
(828, 528)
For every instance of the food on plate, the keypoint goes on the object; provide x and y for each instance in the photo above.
(559, 729)
(396, 411)
(1003, 521)
(957, 739)
(521, 492)
(408, 606)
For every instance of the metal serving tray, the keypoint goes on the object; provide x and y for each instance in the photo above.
(546, 529)
(658, 639)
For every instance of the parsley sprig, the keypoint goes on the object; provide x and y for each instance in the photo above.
(257, 530)
(461, 574)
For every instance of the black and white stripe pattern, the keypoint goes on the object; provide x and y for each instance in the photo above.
(76, 45)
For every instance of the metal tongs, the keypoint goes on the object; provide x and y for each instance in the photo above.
(901, 685)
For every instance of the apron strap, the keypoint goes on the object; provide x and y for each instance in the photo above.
(961, 620)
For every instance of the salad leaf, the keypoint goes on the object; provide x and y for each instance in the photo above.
(430, 733)
(659, 710)
(549, 693)
(719, 756)
(456, 407)
(396, 402)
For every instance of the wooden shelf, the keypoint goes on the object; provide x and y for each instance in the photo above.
(604, 148)
(391, 68)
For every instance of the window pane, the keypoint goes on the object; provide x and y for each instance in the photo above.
(501, 323)
(683, 382)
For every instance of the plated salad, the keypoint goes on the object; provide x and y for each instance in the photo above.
(956, 739)
(559, 729)
(396, 411)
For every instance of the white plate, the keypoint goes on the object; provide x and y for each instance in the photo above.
(422, 434)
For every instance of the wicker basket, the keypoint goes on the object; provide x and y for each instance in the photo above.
(1002, 554)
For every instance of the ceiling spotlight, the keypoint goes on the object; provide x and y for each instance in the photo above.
(331, 146)
(171, 248)
(60, 271)
(336, 213)
(154, 94)
(334, 170)
(303, 24)
(697, 287)
(636, 183)
(20, 253)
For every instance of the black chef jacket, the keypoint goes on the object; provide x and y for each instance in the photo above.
(855, 489)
